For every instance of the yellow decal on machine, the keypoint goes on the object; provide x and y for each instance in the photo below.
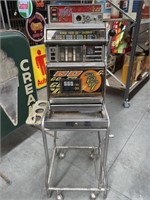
(55, 87)
(91, 81)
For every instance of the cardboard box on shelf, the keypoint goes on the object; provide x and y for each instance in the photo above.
(146, 64)
(137, 67)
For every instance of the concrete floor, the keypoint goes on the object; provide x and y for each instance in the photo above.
(23, 160)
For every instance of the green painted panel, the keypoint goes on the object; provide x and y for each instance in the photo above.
(16, 46)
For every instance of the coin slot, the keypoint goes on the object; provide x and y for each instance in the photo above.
(78, 18)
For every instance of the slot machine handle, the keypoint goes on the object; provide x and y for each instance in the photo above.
(112, 32)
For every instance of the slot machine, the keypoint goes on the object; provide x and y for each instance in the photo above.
(76, 42)
(76, 48)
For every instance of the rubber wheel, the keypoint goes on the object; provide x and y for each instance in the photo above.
(61, 155)
(60, 197)
(93, 196)
(126, 104)
(92, 156)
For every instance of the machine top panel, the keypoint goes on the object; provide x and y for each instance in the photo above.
(75, 13)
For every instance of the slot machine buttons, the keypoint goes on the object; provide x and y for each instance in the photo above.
(79, 18)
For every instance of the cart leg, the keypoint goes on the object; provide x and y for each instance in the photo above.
(96, 152)
(46, 156)
(106, 141)
(54, 141)
(126, 104)
(99, 143)
(49, 193)
(100, 179)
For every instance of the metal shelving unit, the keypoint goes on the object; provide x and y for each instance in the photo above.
(128, 89)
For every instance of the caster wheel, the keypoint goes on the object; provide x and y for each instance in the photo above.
(60, 197)
(61, 155)
(93, 196)
(126, 104)
(92, 156)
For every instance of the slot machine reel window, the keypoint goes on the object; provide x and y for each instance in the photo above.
(71, 53)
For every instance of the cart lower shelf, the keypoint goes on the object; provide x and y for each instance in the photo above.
(47, 120)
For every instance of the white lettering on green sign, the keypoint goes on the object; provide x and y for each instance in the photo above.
(27, 81)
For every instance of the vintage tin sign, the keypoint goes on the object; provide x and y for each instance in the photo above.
(26, 8)
(35, 27)
(39, 65)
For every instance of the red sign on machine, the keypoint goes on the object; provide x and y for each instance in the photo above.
(64, 14)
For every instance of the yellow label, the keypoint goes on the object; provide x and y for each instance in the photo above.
(91, 81)
(39, 65)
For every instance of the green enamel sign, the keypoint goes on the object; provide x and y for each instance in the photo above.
(17, 86)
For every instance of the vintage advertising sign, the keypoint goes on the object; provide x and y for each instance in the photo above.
(81, 82)
(15, 101)
(26, 8)
(40, 4)
(64, 14)
(35, 27)
(39, 65)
